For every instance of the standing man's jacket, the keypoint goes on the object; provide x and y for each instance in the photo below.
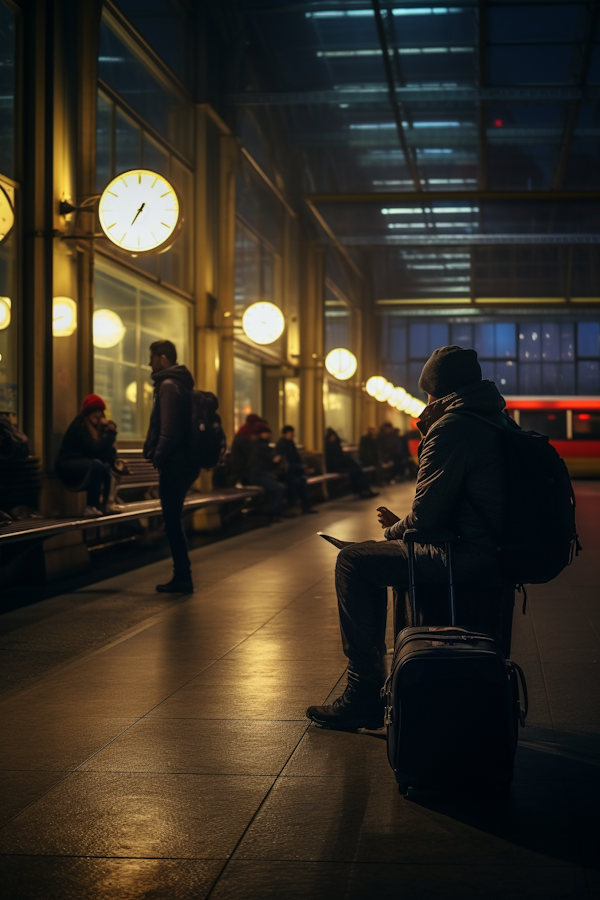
(461, 484)
(170, 422)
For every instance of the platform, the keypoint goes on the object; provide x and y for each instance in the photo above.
(157, 748)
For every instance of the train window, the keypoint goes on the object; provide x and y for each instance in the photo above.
(545, 421)
(586, 424)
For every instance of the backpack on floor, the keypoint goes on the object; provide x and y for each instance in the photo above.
(540, 537)
(207, 438)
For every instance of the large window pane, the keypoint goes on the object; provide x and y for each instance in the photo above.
(506, 377)
(149, 97)
(248, 390)
(9, 323)
(165, 25)
(176, 264)
(127, 144)
(137, 315)
(338, 410)
(588, 339)
(588, 375)
(104, 133)
(529, 341)
(7, 90)
(484, 339)
(530, 378)
(506, 344)
(462, 335)
(418, 342)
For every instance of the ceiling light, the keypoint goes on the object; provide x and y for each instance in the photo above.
(375, 385)
(108, 329)
(385, 393)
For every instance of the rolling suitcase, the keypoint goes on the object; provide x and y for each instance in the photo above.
(452, 707)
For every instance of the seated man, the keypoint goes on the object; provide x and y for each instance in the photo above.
(460, 487)
(295, 476)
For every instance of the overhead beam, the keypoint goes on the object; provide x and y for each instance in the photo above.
(465, 240)
(466, 194)
(380, 94)
(573, 114)
(385, 53)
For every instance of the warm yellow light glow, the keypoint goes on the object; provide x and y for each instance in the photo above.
(131, 391)
(64, 316)
(5, 312)
(396, 396)
(139, 211)
(385, 393)
(108, 329)
(375, 385)
(341, 363)
(263, 322)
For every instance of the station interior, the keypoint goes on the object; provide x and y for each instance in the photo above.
(348, 186)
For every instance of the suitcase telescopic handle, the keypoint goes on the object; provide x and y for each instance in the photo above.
(437, 538)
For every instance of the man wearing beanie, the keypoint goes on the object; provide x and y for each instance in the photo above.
(461, 487)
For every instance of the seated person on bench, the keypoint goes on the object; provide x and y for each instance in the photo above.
(461, 488)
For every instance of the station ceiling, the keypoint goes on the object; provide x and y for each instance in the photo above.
(450, 141)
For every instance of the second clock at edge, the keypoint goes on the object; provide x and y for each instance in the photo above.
(139, 211)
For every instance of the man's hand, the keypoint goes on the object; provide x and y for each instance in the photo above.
(386, 517)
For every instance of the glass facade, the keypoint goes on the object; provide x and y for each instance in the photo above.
(542, 356)
(248, 390)
(126, 72)
(165, 25)
(122, 144)
(338, 408)
(9, 297)
(129, 314)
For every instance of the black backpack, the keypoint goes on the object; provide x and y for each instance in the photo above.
(540, 537)
(207, 438)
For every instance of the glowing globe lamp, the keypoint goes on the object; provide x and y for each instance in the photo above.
(108, 329)
(399, 397)
(375, 385)
(341, 363)
(64, 316)
(5, 313)
(263, 322)
(385, 393)
(395, 396)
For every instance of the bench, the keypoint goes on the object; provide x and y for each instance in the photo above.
(42, 529)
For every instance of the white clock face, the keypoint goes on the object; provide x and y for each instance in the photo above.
(139, 211)
(7, 216)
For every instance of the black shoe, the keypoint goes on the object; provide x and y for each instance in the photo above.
(176, 586)
(310, 512)
(353, 710)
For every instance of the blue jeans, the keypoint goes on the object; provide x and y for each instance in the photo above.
(272, 487)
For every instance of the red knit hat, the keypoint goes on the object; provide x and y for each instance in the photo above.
(91, 404)
(260, 427)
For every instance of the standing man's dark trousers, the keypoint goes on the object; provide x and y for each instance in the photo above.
(363, 573)
(175, 480)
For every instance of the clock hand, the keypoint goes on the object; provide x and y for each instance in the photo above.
(138, 212)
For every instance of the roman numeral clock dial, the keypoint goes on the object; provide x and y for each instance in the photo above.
(139, 211)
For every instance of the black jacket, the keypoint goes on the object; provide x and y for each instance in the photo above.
(335, 458)
(289, 451)
(170, 421)
(78, 443)
(368, 450)
(241, 449)
(261, 458)
(461, 484)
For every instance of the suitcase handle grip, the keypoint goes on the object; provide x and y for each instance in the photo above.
(436, 538)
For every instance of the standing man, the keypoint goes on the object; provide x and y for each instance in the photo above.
(168, 447)
(296, 473)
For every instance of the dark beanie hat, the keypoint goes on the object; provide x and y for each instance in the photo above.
(449, 369)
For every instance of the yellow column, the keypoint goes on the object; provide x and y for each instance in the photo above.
(228, 162)
(311, 348)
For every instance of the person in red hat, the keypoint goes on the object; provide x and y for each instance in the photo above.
(87, 454)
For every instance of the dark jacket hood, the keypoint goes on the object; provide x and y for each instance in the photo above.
(483, 397)
(181, 374)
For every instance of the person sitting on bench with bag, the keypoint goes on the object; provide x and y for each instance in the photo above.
(461, 473)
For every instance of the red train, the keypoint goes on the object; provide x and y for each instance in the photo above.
(571, 423)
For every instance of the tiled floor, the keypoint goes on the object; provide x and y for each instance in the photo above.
(159, 749)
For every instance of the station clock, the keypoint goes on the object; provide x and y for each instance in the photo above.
(139, 212)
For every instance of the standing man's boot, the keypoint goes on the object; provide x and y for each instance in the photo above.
(360, 706)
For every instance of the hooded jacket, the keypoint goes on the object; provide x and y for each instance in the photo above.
(461, 484)
(170, 421)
